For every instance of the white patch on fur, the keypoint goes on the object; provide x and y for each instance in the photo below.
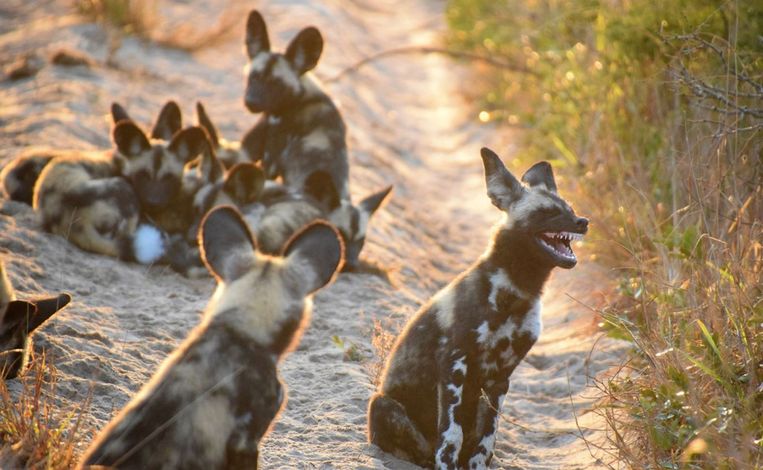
(363, 217)
(282, 71)
(482, 332)
(274, 120)
(445, 300)
(316, 140)
(147, 244)
(258, 63)
(533, 323)
(532, 200)
(499, 280)
(454, 435)
(460, 365)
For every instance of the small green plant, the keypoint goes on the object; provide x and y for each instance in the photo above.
(350, 350)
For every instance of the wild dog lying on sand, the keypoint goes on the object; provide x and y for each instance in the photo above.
(468, 339)
(283, 217)
(300, 131)
(94, 199)
(18, 177)
(18, 319)
(214, 399)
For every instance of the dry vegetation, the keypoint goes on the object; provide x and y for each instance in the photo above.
(34, 433)
(652, 113)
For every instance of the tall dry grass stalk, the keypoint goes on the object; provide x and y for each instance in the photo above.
(34, 432)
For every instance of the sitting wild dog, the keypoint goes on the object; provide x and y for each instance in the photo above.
(18, 319)
(466, 342)
(301, 130)
(96, 200)
(228, 152)
(214, 399)
(284, 217)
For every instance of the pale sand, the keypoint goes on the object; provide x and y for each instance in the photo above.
(409, 124)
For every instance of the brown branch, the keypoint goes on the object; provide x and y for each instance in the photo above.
(406, 50)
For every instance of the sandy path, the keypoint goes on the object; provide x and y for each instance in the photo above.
(408, 126)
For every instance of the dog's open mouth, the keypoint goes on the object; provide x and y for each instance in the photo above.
(558, 245)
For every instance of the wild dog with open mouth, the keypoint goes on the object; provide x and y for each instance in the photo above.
(468, 339)
(18, 319)
(301, 130)
(214, 399)
(285, 215)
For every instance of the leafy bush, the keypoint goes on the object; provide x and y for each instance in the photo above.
(651, 111)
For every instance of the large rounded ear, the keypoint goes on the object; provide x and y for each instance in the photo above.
(370, 204)
(244, 183)
(206, 123)
(540, 174)
(18, 315)
(320, 185)
(168, 123)
(502, 187)
(130, 139)
(256, 35)
(118, 113)
(227, 246)
(46, 308)
(209, 168)
(189, 143)
(314, 255)
(305, 49)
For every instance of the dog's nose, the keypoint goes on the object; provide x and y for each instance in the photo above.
(582, 224)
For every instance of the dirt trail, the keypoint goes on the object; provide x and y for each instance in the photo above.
(408, 125)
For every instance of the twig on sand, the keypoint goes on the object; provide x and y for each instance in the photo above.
(406, 50)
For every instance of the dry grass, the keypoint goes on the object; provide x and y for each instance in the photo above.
(382, 340)
(34, 434)
(143, 19)
(652, 112)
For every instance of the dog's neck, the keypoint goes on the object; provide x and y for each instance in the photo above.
(516, 254)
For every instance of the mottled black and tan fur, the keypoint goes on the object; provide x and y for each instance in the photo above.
(229, 152)
(18, 320)
(283, 217)
(214, 399)
(449, 369)
(301, 130)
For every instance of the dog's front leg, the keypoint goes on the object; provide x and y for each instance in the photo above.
(488, 410)
(452, 375)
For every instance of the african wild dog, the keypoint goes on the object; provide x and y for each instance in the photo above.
(281, 218)
(229, 152)
(215, 397)
(301, 130)
(468, 339)
(96, 200)
(18, 319)
(18, 177)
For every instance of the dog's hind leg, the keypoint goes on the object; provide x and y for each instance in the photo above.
(390, 428)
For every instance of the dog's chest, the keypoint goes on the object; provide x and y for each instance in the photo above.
(501, 345)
